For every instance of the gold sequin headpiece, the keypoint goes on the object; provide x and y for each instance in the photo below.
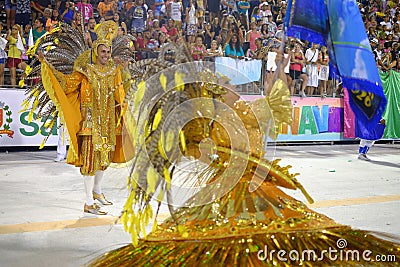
(106, 32)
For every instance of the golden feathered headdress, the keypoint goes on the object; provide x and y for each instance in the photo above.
(106, 32)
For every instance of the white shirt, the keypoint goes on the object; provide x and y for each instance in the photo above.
(311, 55)
(176, 8)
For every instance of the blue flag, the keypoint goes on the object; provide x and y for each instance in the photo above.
(338, 25)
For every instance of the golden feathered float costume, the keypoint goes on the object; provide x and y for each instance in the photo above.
(204, 152)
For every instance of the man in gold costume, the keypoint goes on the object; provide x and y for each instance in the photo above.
(88, 101)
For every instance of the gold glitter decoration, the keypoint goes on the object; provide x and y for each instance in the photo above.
(239, 224)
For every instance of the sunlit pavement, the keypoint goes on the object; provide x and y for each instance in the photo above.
(42, 221)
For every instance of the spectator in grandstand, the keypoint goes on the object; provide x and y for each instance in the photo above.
(387, 62)
(378, 52)
(106, 9)
(175, 13)
(198, 50)
(372, 33)
(373, 22)
(297, 62)
(121, 31)
(214, 51)
(201, 7)
(208, 35)
(16, 46)
(150, 19)
(86, 8)
(251, 36)
(172, 31)
(224, 26)
(53, 20)
(126, 5)
(243, 10)
(260, 52)
(138, 16)
(234, 27)
(381, 33)
(3, 54)
(200, 27)
(253, 5)
(387, 24)
(77, 23)
(395, 50)
(23, 13)
(272, 27)
(38, 9)
(213, 7)
(162, 39)
(232, 48)
(255, 15)
(120, 23)
(215, 27)
(46, 15)
(25, 35)
(11, 8)
(323, 72)
(265, 11)
(388, 40)
(280, 18)
(155, 29)
(146, 46)
(159, 9)
(38, 30)
(264, 31)
(311, 57)
(91, 34)
(68, 14)
(191, 20)
(279, 34)
(229, 5)
(396, 32)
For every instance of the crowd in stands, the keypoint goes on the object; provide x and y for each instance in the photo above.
(240, 29)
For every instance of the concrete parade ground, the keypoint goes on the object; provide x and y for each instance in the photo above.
(42, 222)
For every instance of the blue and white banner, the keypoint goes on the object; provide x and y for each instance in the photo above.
(338, 25)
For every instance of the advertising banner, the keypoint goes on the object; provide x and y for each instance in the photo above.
(15, 129)
(314, 119)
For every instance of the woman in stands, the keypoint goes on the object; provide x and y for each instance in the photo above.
(198, 49)
(15, 46)
(214, 51)
(11, 9)
(233, 49)
(323, 72)
(252, 35)
(297, 62)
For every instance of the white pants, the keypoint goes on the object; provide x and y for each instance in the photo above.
(62, 142)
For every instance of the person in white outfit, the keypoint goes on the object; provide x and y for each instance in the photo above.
(311, 56)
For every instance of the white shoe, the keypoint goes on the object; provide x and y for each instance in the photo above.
(363, 157)
(59, 159)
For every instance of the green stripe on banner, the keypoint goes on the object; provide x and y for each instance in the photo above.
(352, 44)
